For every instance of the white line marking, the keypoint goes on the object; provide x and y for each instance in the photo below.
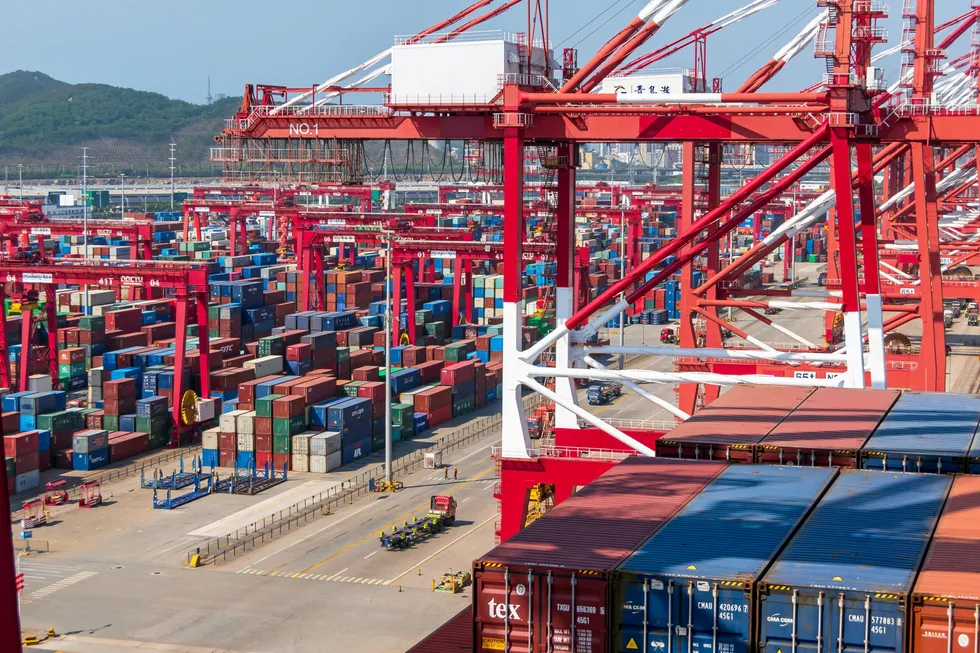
(337, 574)
(472, 453)
(292, 544)
(426, 559)
(369, 555)
(466, 499)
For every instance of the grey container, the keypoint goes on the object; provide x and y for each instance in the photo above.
(326, 443)
(91, 440)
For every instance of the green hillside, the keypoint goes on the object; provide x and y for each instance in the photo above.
(43, 119)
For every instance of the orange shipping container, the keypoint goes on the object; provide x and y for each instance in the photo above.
(946, 596)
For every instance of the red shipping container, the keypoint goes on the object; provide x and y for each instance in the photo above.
(10, 422)
(413, 356)
(44, 461)
(430, 400)
(16, 445)
(315, 390)
(263, 425)
(94, 420)
(26, 462)
(62, 439)
(373, 390)
(121, 406)
(457, 373)
(288, 406)
(280, 461)
(550, 575)
(298, 352)
(126, 320)
(226, 458)
(263, 443)
(262, 458)
(366, 373)
(440, 415)
(119, 388)
(227, 441)
(246, 391)
(429, 372)
(128, 445)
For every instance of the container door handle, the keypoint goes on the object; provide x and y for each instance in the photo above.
(550, 633)
(792, 641)
(670, 616)
(530, 611)
(840, 623)
(646, 607)
(507, 611)
(867, 623)
(976, 629)
(820, 622)
(690, 617)
(949, 626)
(714, 608)
(572, 648)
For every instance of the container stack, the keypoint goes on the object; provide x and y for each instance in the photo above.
(90, 449)
(22, 456)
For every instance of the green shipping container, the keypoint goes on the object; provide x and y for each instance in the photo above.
(436, 329)
(161, 439)
(402, 415)
(111, 423)
(343, 354)
(463, 405)
(11, 467)
(378, 442)
(350, 389)
(92, 323)
(70, 370)
(288, 425)
(271, 346)
(151, 425)
(813, 258)
(423, 316)
(281, 443)
(263, 407)
(649, 304)
(407, 432)
(60, 421)
(457, 352)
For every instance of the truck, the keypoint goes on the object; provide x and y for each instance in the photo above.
(947, 318)
(603, 393)
(972, 315)
(441, 515)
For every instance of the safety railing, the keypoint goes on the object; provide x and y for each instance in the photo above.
(565, 452)
(106, 477)
(640, 424)
(222, 549)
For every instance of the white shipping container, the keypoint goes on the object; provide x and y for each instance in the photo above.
(318, 464)
(334, 460)
(209, 438)
(232, 262)
(326, 443)
(301, 462)
(457, 71)
(266, 365)
(246, 442)
(301, 442)
(95, 377)
(246, 423)
(101, 297)
(205, 409)
(27, 481)
(228, 422)
(39, 383)
(94, 394)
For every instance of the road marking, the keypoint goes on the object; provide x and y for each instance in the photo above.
(466, 499)
(291, 544)
(369, 555)
(61, 584)
(401, 518)
(338, 573)
(426, 559)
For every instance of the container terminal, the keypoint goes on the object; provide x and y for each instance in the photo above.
(419, 373)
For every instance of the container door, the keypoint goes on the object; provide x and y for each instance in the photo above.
(795, 622)
(503, 612)
(649, 613)
(713, 619)
(946, 628)
(577, 615)
(862, 623)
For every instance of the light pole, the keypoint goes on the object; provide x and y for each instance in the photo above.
(122, 196)
(20, 180)
(173, 158)
(388, 319)
(85, 220)
(622, 275)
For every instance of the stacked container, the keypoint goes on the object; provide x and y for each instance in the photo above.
(845, 580)
(90, 449)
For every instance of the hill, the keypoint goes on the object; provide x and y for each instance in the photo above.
(44, 122)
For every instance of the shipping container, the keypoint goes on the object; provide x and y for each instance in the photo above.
(730, 427)
(843, 582)
(946, 596)
(549, 585)
(928, 432)
(454, 636)
(830, 427)
(695, 580)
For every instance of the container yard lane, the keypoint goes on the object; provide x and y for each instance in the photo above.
(345, 547)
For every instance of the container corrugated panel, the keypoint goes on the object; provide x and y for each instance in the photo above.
(946, 597)
(454, 636)
(702, 567)
(925, 432)
(846, 577)
(731, 426)
(548, 585)
(829, 428)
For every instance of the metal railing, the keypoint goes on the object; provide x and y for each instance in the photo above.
(640, 424)
(222, 549)
(566, 452)
(112, 475)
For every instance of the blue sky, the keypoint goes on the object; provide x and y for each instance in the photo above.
(171, 46)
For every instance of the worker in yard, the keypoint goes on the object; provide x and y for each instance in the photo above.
(455, 474)
(446, 470)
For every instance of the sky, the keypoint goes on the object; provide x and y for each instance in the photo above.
(172, 46)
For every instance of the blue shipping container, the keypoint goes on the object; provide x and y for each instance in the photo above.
(209, 457)
(925, 432)
(88, 461)
(845, 578)
(245, 460)
(352, 415)
(354, 448)
(699, 571)
(318, 412)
